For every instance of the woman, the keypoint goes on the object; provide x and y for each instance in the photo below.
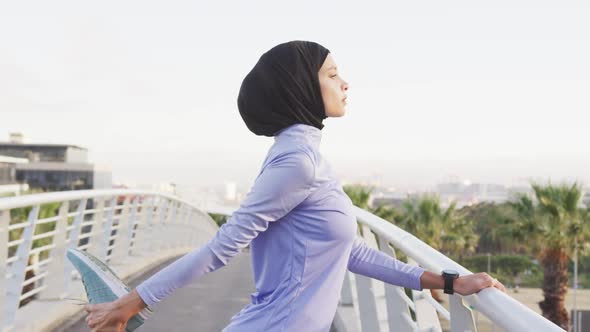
(298, 221)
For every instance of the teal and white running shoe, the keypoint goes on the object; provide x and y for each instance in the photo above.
(102, 284)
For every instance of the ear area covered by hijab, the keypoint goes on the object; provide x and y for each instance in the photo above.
(283, 89)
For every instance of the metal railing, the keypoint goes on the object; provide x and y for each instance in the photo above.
(36, 230)
(378, 306)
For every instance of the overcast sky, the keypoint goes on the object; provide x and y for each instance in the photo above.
(492, 92)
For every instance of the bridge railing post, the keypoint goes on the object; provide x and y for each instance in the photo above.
(367, 292)
(398, 310)
(4, 222)
(140, 227)
(74, 238)
(133, 220)
(171, 225)
(189, 227)
(161, 235)
(461, 316)
(346, 291)
(105, 241)
(56, 277)
(17, 270)
(201, 225)
(426, 314)
(182, 226)
(147, 236)
(121, 244)
(95, 241)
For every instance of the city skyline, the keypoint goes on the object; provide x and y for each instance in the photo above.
(393, 176)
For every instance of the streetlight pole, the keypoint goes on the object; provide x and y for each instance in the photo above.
(575, 318)
(489, 269)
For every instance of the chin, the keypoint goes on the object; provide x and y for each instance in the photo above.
(336, 113)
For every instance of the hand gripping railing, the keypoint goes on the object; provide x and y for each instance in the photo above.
(36, 230)
(378, 306)
(499, 307)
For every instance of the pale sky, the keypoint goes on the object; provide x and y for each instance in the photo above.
(493, 92)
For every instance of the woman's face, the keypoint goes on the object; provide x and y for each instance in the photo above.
(333, 88)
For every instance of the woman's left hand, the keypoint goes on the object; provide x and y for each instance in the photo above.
(113, 316)
(105, 317)
(473, 283)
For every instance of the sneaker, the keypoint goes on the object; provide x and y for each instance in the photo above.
(102, 284)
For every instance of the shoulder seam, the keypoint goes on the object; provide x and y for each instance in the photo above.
(312, 163)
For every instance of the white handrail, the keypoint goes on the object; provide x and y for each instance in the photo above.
(141, 228)
(60, 196)
(496, 305)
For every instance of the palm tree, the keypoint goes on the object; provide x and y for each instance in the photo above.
(526, 228)
(458, 233)
(420, 216)
(554, 226)
(359, 195)
(446, 230)
(493, 223)
(388, 213)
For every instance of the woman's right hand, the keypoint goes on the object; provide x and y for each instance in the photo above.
(473, 283)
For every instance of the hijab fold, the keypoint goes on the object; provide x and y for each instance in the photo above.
(283, 89)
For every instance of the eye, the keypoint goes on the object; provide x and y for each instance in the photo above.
(333, 75)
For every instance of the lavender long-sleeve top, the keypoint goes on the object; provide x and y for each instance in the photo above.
(302, 233)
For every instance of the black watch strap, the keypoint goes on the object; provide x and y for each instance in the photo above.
(449, 276)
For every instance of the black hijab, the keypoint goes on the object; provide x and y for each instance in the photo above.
(283, 88)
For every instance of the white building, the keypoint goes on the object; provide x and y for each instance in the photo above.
(8, 183)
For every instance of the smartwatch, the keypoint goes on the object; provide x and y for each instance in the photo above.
(449, 276)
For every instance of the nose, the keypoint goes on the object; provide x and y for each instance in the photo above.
(345, 86)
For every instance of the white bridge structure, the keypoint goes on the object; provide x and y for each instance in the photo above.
(135, 230)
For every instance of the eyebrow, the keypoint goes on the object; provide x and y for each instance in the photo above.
(333, 67)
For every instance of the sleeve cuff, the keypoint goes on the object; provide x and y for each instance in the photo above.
(417, 284)
(146, 296)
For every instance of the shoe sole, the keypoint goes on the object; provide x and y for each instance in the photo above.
(102, 284)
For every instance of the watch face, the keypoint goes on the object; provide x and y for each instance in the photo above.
(452, 273)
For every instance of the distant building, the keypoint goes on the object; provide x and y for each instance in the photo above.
(230, 194)
(387, 199)
(55, 167)
(8, 182)
(467, 193)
